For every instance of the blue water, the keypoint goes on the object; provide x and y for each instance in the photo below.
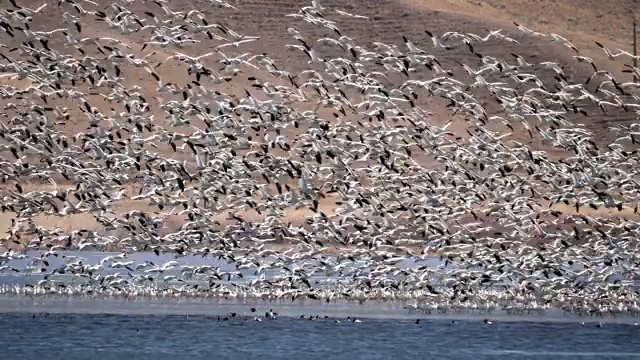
(118, 336)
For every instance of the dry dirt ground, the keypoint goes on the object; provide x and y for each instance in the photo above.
(582, 22)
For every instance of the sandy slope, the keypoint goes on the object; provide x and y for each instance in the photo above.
(580, 21)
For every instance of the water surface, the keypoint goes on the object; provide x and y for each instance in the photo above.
(120, 336)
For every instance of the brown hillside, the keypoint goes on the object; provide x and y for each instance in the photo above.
(582, 22)
(579, 21)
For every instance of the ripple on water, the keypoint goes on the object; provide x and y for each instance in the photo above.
(114, 336)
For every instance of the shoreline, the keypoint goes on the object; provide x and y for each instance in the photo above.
(233, 285)
(412, 304)
(373, 309)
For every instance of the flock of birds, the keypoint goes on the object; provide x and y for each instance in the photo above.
(313, 184)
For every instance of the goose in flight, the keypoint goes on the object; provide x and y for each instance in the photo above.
(528, 31)
(559, 39)
(611, 55)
